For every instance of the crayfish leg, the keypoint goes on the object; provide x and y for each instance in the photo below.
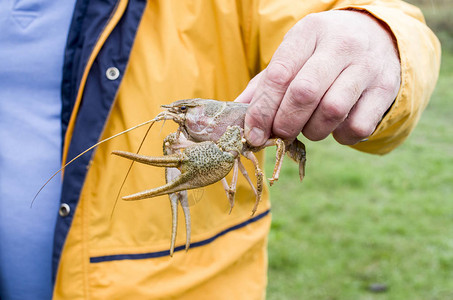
(231, 189)
(183, 200)
(280, 153)
(174, 220)
(246, 176)
(180, 197)
(259, 178)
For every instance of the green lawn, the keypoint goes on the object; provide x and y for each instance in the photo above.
(359, 220)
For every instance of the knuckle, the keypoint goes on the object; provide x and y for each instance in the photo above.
(334, 111)
(390, 84)
(305, 92)
(278, 74)
(381, 74)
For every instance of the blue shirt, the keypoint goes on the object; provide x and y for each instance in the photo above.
(32, 39)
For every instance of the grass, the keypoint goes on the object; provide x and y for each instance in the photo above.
(359, 220)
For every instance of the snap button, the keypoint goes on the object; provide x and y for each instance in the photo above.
(112, 73)
(64, 210)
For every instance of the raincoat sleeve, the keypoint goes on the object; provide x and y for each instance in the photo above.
(418, 47)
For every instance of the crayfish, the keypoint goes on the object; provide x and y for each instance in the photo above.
(207, 145)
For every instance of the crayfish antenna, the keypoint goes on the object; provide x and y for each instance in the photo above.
(85, 151)
(130, 167)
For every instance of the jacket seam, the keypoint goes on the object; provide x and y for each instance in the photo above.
(163, 253)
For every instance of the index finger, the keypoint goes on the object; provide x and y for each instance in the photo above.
(290, 56)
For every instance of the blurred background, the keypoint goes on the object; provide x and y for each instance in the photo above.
(372, 227)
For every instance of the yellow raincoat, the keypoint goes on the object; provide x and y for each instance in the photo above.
(126, 58)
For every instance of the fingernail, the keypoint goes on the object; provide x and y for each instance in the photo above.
(255, 136)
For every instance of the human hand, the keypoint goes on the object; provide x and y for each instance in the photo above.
(335, 72)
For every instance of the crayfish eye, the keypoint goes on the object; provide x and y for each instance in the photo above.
(183, 108)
